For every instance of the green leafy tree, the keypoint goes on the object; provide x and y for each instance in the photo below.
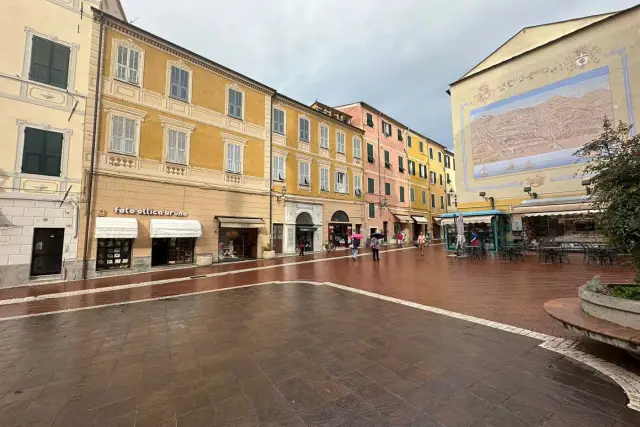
(613, 160)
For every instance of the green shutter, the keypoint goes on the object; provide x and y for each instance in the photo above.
(49, 62)
(369, 150)
(42, 152)
(400, 163)
(387, 188)
(409, 140)
(372, 210)
(386, 157)
(402, 194)
(371, 185)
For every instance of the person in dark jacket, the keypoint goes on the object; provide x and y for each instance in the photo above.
(301, 245)
(355, 246)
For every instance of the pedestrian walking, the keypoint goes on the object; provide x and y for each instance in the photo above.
(301, 245)
(421, 241)
(375, 248)
(400, 239)
(355, 246)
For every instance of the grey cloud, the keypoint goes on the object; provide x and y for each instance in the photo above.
(399, 56)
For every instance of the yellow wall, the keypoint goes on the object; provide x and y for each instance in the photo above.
(606, 44)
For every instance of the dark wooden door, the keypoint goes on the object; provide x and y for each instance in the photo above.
(277, 237)
(46, 256)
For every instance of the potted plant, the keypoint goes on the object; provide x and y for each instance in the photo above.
(268, 252)
(613, 162)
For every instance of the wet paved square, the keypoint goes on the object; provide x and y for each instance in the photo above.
(289, 355)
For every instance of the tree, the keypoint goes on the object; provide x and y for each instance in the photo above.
(613, 161)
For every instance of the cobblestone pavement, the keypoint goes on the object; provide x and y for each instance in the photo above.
(292, 355)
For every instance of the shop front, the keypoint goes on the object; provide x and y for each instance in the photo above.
(403, 224)
(173, 241)
(339, 228)
(115, 238)
(305, 230)
(302, 221)
(420, 225)
(238, 238)
(489, 226)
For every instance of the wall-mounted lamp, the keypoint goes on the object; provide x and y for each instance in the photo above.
(455, 197)
(283, 191)
(587, 185)
(531, 194)
(490, 199)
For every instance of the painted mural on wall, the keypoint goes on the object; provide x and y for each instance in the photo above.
(540, 128)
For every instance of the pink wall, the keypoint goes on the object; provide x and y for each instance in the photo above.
(378, 171)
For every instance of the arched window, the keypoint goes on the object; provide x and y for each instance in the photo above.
(340, 216)
(304, 219)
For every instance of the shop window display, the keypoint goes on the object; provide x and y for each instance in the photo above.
(113, 254)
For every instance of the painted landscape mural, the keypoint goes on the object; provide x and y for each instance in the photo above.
(541, 128)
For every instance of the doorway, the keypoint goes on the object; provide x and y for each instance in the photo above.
(238, 244)
(305, 230)
(46, 255)
(172, 251)
(277, 237)
(385, 230)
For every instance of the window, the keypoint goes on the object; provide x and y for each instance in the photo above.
(179, 88)
(369, 120)
(324, 179)
(400, 164)
(401, 194)
(42, 152)
(421, 147)
(340, 145)
(424, 197)
(372, 210)
(49, 62)
(303, 174)
(387, 159)
(454, 164)
(234, 158)
(440, 176)
(278, 168)
(412, 167)
(342, 182)
(441, 202)
(235, 104)
(357, 147)
(423, 171)
(123, 135)
(433, 201)
(371, 186)
(370, 157)
(278, 121)
(439, 157)
(431, 153)
(128, 66)
(433, 177)
(324, 136)
(412, 194)
(386, 128)
(448, 178)
(387, 188)
(303, 129)
(399, 135)
(177, 147)
(448, 199)
(113, 254)
(409, 141)
(447, 162)
(357, 183)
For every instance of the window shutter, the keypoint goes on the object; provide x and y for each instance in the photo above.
(121, 71)
(129, 136)
(182, 148)
(134, 59)
(41, 52)
(34, 141)
(185, 85)
(346, 183)
(117, 127)
(174, 82)
(230, 158)
(52, 154)
(60, 65)
(238, 159)
(171, 146)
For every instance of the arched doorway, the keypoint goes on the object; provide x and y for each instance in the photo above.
(305, 230)
(339, 228)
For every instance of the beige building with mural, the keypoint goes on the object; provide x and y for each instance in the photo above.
(44, 77)
(520, 114)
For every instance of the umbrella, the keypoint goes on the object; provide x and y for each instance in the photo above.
(377, 235)
(357, 236)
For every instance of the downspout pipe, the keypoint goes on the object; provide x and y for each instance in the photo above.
(273, 98)
(96, 105)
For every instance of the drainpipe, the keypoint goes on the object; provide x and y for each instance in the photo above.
(96, 105)
(273, 98)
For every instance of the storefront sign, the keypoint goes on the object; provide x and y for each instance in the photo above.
(148, 211)
(301, 207)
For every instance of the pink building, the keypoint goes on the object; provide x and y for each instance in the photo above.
(386, 182)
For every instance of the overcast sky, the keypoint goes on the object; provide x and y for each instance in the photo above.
(399, 56)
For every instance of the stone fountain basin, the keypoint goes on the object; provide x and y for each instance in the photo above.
(620, 311)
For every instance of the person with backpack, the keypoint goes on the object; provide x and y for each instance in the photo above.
(355, 246)
(375, 248)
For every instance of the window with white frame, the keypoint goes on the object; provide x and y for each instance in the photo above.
(234, 109)
(234, 158)
(324, 179)
(340, 145)
(128, 64)
(179, 83)
(341, 182)
(357, 183)
(278, 168)
(357, 147)
(412, 194)
(177, 147)
(324, 136)
(424, 197)
(278, 121)
(304, 177)
(433, 177)
(123, 135)
(303, 129)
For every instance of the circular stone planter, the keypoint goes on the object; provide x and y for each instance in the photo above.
(620, 311)
(268, 254)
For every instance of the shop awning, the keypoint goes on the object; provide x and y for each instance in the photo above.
(164, 228)
(480, 219)
(420, 219)
(554, 210)
(446, 221)
(116, 228)
(238, 222)
(563, 213)
(403, 218)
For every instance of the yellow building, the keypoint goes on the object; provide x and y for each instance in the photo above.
(317, 176)
(44, 78)
(181, 156)
(519, 115)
